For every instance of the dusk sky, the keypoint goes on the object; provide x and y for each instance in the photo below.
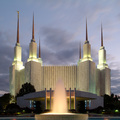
(60, 25)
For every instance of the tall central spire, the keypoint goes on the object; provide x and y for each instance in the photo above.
(86, 41)
(33, 28)
(102, 64)
(18, 28)
(101, 36)
(86, 48)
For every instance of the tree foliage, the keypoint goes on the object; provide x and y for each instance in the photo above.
(111, 102)
(26, 88)
(5, 100)
(12, 108)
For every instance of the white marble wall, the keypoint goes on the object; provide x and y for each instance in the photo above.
(92, 77)
(86, 80)
(84, 77)
(12, 79)
(98, 82)
(105, 82)
(33, 74)
(17, 78)
(22, 77)
(52, 74)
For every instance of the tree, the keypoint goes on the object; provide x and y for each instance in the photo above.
(26, 88)
(107, 100)
(111, 102)
(5, 100)
(1, 108)
(13, 108)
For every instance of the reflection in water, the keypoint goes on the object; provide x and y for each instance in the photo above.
(106, 119)
(103, 118)
(19, 118)
(67, 113)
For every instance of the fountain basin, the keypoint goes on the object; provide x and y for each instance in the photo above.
(61, 116)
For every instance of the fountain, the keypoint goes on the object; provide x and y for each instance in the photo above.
(59, 111)
(60, 102)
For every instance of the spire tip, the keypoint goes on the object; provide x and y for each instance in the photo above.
(39, 48)
(101, 36)
(18, 28)
(86, 33)
(33, 29)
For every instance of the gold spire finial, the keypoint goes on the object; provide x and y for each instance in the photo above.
(18, 13)
(18, 28)
(101, 36)
(33, 28)
(39, 49)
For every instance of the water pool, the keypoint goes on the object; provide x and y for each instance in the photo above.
(32, 118)
(105, 118)
(17, 118)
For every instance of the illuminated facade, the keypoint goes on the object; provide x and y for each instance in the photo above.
(84, 76)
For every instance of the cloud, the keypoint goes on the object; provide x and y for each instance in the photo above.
(62, 47)
(58, 39)
(6, 51)
(115, 80)
(2, 92)
(59, 46)
(4, 83)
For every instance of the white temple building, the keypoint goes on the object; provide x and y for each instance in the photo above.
(83, 81)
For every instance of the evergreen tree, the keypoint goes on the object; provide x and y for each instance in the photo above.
(5, 100)
(26, 88)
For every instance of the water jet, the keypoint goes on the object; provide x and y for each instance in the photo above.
(59, 111)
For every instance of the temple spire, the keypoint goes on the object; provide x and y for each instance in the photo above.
(101, 36)
(80, 51)
(86, 31)
(18, 28)
(39, 50)
(33, 28)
